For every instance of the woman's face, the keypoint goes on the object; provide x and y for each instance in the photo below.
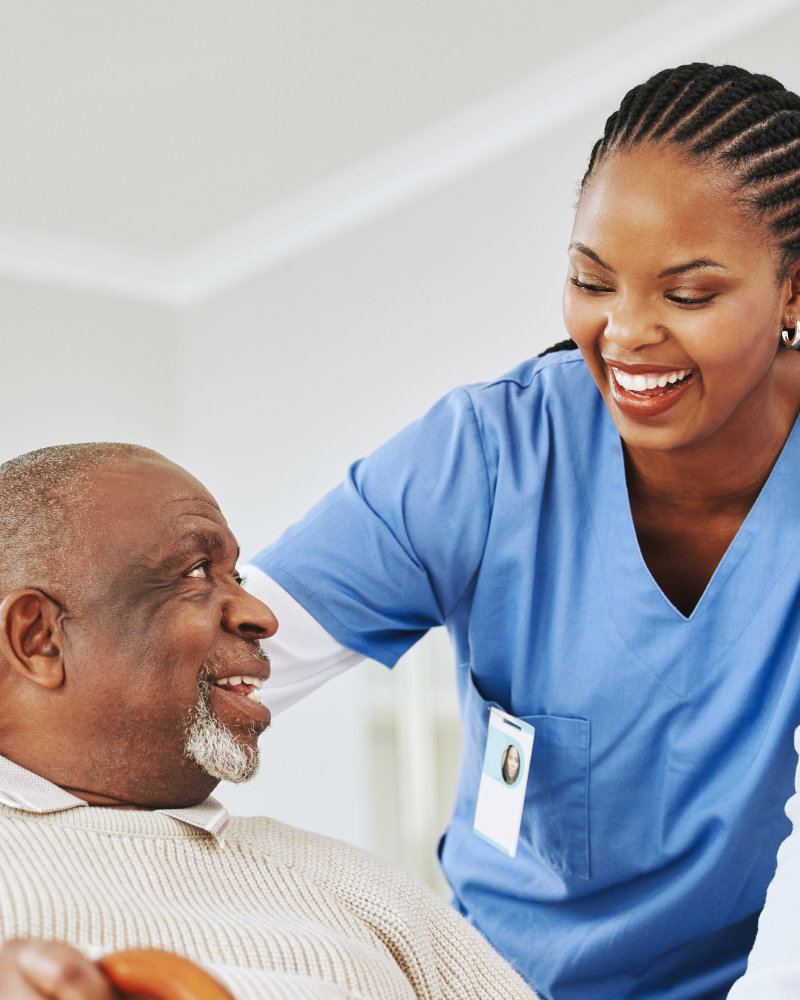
(673, 298)
(512, 764)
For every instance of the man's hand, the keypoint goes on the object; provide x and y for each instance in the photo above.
(33, 970)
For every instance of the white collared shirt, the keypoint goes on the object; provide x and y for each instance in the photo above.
(22, 789)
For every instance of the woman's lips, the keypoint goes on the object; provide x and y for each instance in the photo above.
(647, 393)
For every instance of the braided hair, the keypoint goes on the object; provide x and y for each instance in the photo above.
(746, 123)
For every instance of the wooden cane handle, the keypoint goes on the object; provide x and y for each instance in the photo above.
(150, 972)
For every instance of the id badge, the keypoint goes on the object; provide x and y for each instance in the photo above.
(501, 794)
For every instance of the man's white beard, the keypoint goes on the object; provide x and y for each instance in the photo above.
(215, 748)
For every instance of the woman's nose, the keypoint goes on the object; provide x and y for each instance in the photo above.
(630, 329)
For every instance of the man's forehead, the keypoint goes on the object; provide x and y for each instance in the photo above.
(144, 482)
(158, 506)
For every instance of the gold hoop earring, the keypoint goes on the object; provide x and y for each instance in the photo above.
(792, 337)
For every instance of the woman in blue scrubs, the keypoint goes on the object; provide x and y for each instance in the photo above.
(610, 535)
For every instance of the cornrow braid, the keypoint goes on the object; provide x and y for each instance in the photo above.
(562, 345)
(747, 123)
(666, 91)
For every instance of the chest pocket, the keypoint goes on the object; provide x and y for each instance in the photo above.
(555, 819)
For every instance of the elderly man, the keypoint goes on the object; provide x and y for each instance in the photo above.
(129, 674)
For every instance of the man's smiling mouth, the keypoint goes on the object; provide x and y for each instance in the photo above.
(249, 687)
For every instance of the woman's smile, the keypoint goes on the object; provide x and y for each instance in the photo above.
(651, 382)
(649, 392)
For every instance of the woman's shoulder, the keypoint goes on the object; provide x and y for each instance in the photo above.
(556, 372)
(552, 390)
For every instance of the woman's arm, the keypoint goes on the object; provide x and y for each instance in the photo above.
(302, 654)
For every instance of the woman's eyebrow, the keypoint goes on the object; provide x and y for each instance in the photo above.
(691, 266)
(582, 248)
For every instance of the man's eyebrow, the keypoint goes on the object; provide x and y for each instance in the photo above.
(197, 538)
(587, 252)
(205, 539)
(691, 265)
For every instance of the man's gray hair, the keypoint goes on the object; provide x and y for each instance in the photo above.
(42, 495)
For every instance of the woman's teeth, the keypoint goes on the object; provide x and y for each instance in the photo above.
(254, 683)
(638, 383)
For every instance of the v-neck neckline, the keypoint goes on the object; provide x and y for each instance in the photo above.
(768, 518)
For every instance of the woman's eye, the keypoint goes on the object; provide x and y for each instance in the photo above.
(200, 571)
(690, 300)
(589, 286)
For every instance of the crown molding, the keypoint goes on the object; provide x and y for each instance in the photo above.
(51, 259)
(596, 75)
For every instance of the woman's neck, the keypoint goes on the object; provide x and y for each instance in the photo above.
(688, 504)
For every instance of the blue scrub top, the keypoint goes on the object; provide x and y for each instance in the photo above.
(663, 750)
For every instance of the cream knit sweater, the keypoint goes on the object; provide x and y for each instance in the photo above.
(272, 911)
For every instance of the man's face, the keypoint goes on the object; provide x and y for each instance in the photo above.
(161, 643)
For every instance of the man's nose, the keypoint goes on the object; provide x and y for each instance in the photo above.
(246, 616)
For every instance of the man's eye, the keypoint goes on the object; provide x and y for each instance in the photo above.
(200, 571)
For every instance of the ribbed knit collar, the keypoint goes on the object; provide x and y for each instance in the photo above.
(22, 789)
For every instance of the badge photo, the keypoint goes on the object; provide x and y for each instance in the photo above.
(504, 778)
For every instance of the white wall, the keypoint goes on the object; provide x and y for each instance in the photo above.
(83, 367)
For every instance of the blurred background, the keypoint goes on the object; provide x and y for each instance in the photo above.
(261, 237)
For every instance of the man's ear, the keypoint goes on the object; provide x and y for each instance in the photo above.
(31, 637)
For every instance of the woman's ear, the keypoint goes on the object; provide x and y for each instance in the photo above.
(31, 637)
(791, 309)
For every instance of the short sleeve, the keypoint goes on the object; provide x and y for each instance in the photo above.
(389, 553)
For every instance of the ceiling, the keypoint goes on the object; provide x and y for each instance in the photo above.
(164, 148)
